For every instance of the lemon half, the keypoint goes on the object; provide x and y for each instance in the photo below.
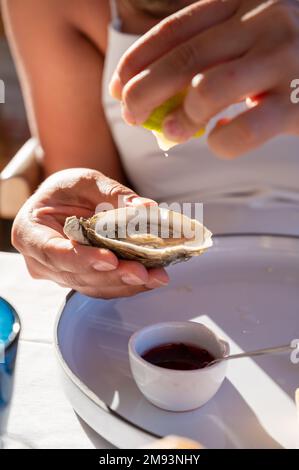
(155, 121)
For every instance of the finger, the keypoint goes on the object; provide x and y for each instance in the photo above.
(128, 272)
(94, 286)
(212, 92)
(49, 247)
(232, 138)
(116, 195)
(69, 279)
(101, 285)
(157, 277)
(36, 269)
(139, 201)
(104, 285)
(161, 80)
(78, 191)
(134, 273)
(170, 32)
(64, 255)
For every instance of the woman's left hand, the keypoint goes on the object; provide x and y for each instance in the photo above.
(233, 50)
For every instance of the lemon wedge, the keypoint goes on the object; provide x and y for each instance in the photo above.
(155, 121)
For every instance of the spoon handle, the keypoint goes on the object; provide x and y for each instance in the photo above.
(261, 352)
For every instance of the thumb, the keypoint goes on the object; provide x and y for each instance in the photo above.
(118, 195)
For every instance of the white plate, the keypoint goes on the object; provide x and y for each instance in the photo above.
(246, 288)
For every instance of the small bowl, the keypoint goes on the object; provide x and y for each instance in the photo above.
(177, 390)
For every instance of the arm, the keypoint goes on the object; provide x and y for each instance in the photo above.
(61, 73)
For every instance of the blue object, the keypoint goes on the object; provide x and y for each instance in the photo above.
(9, 334)
(7, 320)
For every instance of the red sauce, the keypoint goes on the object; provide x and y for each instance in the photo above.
(178, 356)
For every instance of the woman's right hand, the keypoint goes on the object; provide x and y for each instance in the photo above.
(38, 234)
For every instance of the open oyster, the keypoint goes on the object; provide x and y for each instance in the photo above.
(151, 235)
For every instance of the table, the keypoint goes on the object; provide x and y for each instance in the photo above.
(41, 416)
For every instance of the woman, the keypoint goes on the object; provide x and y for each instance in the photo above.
(66, 50)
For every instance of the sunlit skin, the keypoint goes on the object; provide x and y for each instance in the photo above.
(51, 39)
(38, 235)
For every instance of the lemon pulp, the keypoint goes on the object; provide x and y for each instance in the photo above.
(155, 121)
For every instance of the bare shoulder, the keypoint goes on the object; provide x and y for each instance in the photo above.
(90, 17)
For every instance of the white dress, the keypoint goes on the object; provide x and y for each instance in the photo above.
(258, 192)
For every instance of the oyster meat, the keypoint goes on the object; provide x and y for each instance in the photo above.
(151, 235)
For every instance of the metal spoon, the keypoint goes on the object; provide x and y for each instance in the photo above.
(258, 352)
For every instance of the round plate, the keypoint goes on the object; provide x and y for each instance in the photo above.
(246, 289)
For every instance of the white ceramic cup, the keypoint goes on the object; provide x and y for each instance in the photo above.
(177, 390)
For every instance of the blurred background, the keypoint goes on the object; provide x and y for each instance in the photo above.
(13, 125)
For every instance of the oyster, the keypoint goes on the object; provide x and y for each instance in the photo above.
(151, 235)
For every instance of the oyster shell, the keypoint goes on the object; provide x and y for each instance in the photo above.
(151, 235)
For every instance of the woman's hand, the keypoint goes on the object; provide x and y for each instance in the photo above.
(38, 234)
(233, 50)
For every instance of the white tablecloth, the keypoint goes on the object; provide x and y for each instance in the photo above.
(40, 414)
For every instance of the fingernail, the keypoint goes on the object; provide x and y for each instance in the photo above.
(173, 128)
(103, 266)
(132, 200)
(156, 283)
(115, 86)
(197, 80)
(132, 280)
(221, 122)
(139, 201)
(127, 115)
